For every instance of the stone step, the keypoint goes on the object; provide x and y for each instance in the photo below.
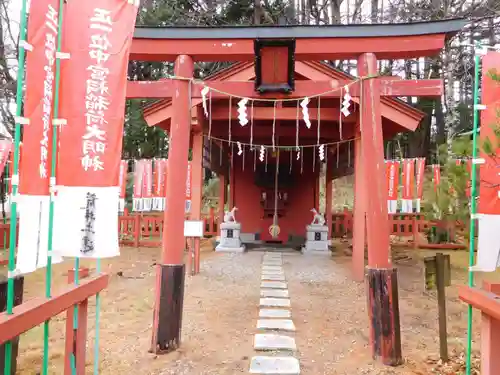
(275, 302)
(276, 293)
(272, 272)
(273, 285)
(274, 313)
(267, 341)
(274, 365)
(272, 262)
(276, 324)
(273, 277)
(272, 268)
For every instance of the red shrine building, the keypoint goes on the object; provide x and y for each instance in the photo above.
(271, 147)
(252, 181)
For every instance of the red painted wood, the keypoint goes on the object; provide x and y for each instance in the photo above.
(222, 197)
(490, 337)
(396, 47)
(173, 233)
(71, 341)
(197, 186)
(274, 65)
(37, 310)
(329, 191)
(389, 87)
(359, 222)
(372, 144)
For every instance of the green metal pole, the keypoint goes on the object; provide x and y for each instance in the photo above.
(15, 172)
(477, 61)
(48, 270)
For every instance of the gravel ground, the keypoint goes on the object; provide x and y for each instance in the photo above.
(221, 310)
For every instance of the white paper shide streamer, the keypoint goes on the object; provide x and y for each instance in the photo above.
(262, 152)
(346, 103)
(305, 112)
(321, 151)
(204, 93)
(242, 111)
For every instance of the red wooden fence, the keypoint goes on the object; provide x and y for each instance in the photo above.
(145, 230)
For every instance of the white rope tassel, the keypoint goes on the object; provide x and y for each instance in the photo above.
(305, 112)
(204, 93)
(242, 112)
(240, 151)
(298, 153)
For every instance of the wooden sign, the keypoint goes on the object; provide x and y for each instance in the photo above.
(430, 271)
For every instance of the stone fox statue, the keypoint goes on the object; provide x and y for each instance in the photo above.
(229, 215)
(318, 219)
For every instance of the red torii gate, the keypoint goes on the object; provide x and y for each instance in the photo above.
(366, 43)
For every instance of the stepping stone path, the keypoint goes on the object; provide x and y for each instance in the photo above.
(274, 323)
(273, 277)
(273, 285)
(276, 293)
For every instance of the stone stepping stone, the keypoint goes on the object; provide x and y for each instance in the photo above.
(276, 293)
(273, 277)
(271, 258)
(276, 324)
(274, 365)
(274, 302)
(273, 285)
(266, 341)
(272, 263)
(273, 272)
(274, 313)
(272, 268)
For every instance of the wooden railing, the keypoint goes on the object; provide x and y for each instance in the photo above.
(140, 230)
(145, 230)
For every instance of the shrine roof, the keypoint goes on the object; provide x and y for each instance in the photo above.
(448, 27)
(405, 116)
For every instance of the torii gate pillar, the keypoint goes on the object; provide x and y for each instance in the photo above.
(169, 297)
(383, 300)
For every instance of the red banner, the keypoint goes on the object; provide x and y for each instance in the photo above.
(40, 83)
(138, 178)
(436, 171)
(93, 85)
(420, 177)
(408, 178)
(160, 176)
(392, 174)
(489, 187)
(147, 179)
(123, 178)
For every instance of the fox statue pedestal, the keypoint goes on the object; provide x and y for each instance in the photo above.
(317, 235)
(230, 234)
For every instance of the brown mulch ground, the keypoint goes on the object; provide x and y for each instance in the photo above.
(221, 309)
